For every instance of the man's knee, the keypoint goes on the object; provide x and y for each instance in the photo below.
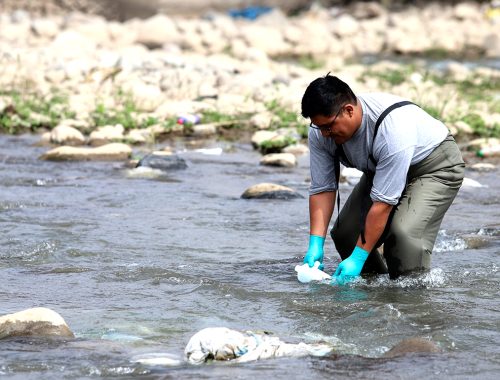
(405, 253)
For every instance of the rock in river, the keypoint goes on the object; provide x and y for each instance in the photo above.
(108, 152)
(286, 160)
(163, 161)
(37, 321)
(270, 191)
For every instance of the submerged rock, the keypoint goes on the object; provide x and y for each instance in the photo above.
(412, 345)
(163, 161)
(38, 321)
(108, 152)
(270, 191)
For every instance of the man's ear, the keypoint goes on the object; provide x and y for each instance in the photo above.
(349, 109)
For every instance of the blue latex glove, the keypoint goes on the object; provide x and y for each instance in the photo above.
(351, 267)
(315, 251)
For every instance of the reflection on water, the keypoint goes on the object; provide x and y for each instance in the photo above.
(137, 263)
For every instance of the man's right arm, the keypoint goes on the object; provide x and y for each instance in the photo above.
(321, 207)
(320, 212)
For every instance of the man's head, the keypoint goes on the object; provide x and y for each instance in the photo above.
(332, 107)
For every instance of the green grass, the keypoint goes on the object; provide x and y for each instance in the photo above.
(21, 113)
(310, 62)
(285, 117)
(388, 78)
(275, 146)
(307, 61)
(211, 116)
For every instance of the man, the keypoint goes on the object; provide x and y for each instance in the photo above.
(412, 169)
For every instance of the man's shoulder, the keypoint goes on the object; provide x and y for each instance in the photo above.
(381, 98)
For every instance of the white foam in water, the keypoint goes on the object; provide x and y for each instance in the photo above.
(210, 151)
(338, 344)
(446, 243)
(160, 359)
(120, 337)
(435, 278)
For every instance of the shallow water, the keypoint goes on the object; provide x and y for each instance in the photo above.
(138, 265)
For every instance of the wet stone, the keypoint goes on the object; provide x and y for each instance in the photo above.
(163, 161)
(270, 191)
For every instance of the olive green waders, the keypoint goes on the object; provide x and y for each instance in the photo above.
(411, 231)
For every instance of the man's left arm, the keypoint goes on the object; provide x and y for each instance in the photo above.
(375, 223)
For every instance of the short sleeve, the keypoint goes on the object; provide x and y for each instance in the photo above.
(322, 165)
(390, 175)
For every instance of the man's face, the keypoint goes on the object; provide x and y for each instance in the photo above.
(335, 126)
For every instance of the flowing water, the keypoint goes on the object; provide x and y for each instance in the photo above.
(138, 265)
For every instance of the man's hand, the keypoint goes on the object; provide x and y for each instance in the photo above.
(315, 251)
(351, 267)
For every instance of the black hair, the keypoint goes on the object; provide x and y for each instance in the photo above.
(325, 95)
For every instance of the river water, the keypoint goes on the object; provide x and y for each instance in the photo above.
(138, 265)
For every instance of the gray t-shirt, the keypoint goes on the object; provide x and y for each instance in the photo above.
(405, 137)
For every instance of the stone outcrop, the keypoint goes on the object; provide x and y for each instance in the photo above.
(38, 321)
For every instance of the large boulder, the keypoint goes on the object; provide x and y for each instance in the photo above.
(38, 321)
(108, 152)
(270, 191)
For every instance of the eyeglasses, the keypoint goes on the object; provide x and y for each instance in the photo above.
(323, 127)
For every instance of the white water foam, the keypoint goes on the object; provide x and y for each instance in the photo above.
(435, 278)
(447, 243)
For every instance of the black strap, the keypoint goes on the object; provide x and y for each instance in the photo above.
(380, 120)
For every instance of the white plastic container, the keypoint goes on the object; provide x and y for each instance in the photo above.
(307, 274)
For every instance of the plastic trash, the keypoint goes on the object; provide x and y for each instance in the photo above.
(307, 274)
(489, 151)
(221, 343)
(188, 119)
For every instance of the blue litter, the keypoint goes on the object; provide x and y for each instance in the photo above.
(250, 13)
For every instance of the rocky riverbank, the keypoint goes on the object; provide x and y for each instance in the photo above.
(88, 81)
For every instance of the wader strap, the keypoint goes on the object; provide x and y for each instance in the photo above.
(369, 175)
(380, 120)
